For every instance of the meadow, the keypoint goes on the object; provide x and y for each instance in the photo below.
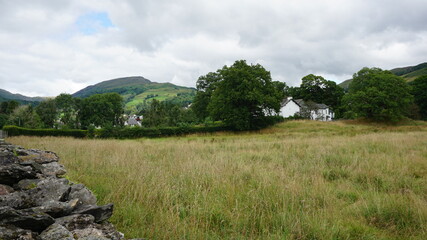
(295, 180)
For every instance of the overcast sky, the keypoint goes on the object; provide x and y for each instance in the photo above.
(55, 46)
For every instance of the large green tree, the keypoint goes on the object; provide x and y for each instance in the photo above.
(25, 116)
(242, 95)
(67, 110)
(101, 110)
(318, 89)
(206, 85)
(377, 95)
(47, 112)
(419, 91)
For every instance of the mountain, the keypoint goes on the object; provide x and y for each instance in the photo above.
(137, 90)
(412, 72)
(408, 73)
(7, 96)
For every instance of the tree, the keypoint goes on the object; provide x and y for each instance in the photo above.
(377, 95)
(67, 110)
(241, 95)
(25, 116)
(47, 112)
(206, 85)
(101, 110)
(317, 89)
(419, 91)
(8, 107)
(166, 113)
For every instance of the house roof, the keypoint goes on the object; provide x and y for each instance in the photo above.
(302, 103)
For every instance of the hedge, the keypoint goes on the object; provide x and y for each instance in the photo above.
(19, 131)
(131, 132)
(128, 132)
(138, 132)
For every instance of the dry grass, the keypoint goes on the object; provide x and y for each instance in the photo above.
(297, 180)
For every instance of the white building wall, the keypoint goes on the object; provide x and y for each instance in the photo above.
(289, 110)
(322, 115)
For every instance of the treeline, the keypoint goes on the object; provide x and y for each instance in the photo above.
(374, 94)
(237, 97)
(65, 112)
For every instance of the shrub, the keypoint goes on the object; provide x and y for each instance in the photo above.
(18, 131)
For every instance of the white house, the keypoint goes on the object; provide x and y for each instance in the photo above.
(315, 111)
(134, 121)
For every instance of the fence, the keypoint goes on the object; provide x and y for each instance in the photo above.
(3, 134)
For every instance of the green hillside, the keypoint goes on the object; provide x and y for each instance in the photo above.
(7, 96)
(137, 90)
(408, 73)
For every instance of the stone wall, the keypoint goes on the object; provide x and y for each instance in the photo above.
(36, 202)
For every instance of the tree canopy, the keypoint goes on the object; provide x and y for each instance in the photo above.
(377, 95)
(101, 110)
(318, 89)
(419, 91)
(241, 96)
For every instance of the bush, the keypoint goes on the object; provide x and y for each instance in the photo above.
(18, 131)
(138, 132)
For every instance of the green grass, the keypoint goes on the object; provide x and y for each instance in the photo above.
(295, 180)
(160, 93)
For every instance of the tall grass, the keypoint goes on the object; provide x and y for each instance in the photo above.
(297, 180)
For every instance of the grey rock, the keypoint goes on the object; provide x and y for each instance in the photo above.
(100, 213)
(53, 169)
(85, 196)
(25, 219)
(50, 189)
(18, 200)
(13, 173)
(57, 209)
(9, 232)
(27, 184)
(4, 189)
(56, 232)
(35, 155)
(76, 221)
(93, 234)
(39, 193)
(110, 232)
(7, 157)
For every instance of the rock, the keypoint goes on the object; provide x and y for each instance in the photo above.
(35, 155)
(17, 200)
(110, 232)
(9, 232)
(57, 209)
(50, 189)
(13, 173)
(53, 169)
(25, 219)
(27, 184)
(100, 213)
(33, 194)
(7, 157)
(56, 232)
(85, 196)
(4, 189)
(89, 234)
(76, 221)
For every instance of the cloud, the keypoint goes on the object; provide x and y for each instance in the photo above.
(49, 47)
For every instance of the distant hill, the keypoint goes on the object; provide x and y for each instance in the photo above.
(7, 96)
(412, 72)
(136, 90)
(408, 73)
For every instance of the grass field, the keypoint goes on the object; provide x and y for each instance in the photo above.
(296, 180)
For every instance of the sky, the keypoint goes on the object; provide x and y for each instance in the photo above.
(52, 47)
